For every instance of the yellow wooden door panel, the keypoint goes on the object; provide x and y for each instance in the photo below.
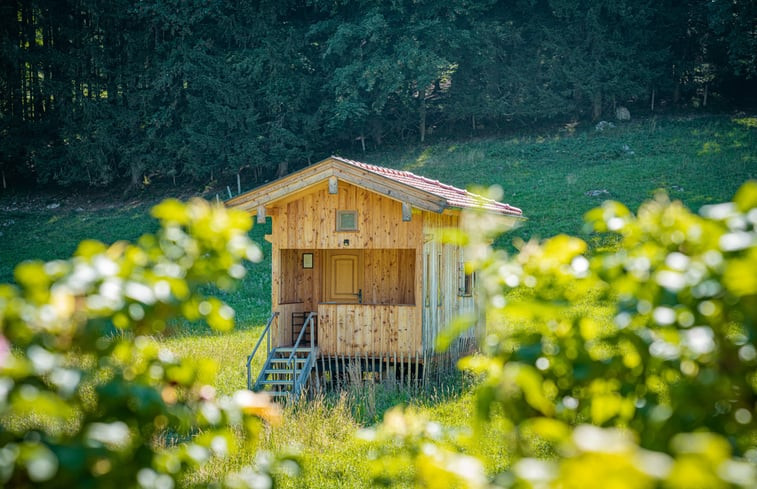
(344, 276)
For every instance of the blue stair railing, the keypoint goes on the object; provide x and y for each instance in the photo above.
(301, 379)
(267, 335)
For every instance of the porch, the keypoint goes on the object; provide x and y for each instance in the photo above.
(364, 300)
(356, 329)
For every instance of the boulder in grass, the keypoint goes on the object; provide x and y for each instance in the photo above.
(622, 114)
(603, 125)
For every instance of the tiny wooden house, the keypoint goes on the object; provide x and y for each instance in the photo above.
(355, 245)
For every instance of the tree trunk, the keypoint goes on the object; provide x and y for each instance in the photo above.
(422, 124)
(651, 105)
(283, 169)
(376, 129)
(596, 106)
(135, 170)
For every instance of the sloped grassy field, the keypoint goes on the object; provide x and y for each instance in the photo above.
(555, 178)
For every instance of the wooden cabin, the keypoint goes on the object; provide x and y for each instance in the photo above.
(354, 244)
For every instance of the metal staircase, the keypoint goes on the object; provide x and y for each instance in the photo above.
(287, 369)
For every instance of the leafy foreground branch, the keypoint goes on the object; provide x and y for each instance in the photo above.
(87, 399)
(662, 395)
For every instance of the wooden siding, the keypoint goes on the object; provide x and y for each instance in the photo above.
(360, 329)
(309, 220)
(411, 280)
(442, 301)
(389, 276)
(327, 169)
(298, 284)
(282, 334)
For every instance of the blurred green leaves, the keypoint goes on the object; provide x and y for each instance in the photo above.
(627, 367)
(87, 397)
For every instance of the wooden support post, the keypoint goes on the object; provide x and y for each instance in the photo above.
(365, 367)
(344, 371)
(317, 379)
(323, 372)
(394, 379)
(381, 367)
(409, 371)
(402, 368)
(407, 212)
(261, 214)
(415, 383)
(333, 185)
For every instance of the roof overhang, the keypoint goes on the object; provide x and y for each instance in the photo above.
(270, 193)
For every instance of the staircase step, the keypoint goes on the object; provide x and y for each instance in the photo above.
(276, 382)
(282, 371)
(275, 394)
(289, 364)
(289, 349)
(285, 360)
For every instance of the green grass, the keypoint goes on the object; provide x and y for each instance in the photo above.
(699, 161)
(49, 234)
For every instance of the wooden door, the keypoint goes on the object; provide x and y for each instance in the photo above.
(343, 277)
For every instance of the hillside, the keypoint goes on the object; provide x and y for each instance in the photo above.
(554, 176)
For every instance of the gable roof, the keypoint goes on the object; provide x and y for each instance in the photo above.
(419, 191)
(455, 197)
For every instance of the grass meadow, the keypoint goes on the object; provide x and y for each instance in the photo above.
(555, 177)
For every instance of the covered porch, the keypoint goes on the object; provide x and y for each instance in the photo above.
(364, 300)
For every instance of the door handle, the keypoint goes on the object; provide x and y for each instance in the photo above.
(359, 296)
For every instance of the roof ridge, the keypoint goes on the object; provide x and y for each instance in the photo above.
(461, 197)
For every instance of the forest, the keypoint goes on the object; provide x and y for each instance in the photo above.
(117, 93)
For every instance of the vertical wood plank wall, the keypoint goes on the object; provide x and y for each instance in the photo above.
(388, 277)
(308, 221)
(298, 284)
(441, 297)
(411, 279)
(359, 329)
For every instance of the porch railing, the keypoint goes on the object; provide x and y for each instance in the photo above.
(301, 379)
(267, 335)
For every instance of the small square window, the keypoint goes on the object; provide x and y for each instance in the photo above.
(346, 221)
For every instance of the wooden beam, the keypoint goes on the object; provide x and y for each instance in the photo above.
(284, 188)
(407, 212)
(392, 189)
(261, 214)
(333, 185)
(246, 199)
(343, 171)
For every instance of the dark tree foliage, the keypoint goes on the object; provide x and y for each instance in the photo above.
(118, 92)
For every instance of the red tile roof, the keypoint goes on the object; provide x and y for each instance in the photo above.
(454, 196)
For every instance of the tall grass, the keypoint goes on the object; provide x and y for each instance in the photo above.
(549, 175)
